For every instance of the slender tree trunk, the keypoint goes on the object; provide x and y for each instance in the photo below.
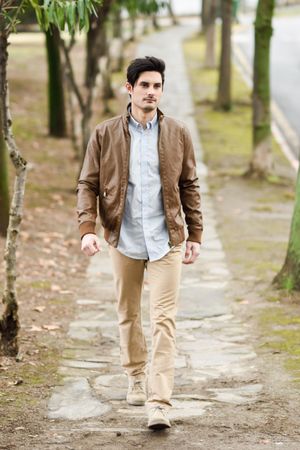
(224, 86)
(155, 23)
(289, 276)
(204, 15)
(56, 101)
(118, 42)
(262, 159)
(4, 188)
(171, 13)
(132, 23)
(9, 322)
(210, 35)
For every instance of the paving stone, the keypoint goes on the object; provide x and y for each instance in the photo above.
(238, 395)
(91, 315)
(90, 324)
(119, 380)
(180, 362)
(188, 408)
(82, 334)
(83, 364)
(74, 401)
(188, 324)
(86, 301)
(209, 302)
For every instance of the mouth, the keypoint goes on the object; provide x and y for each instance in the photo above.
(150, 100)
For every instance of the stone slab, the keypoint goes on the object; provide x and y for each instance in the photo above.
(74, 401)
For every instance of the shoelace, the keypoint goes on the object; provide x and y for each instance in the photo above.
(160, 408)
(138, 386)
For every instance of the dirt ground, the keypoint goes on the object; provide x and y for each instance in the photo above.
(253, 225)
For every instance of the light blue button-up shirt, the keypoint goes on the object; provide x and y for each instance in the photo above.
(144, 233)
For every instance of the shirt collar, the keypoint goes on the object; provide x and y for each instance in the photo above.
(149, 125)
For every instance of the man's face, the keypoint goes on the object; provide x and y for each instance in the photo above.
(146, 92)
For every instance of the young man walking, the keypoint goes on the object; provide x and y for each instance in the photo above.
(141, 168)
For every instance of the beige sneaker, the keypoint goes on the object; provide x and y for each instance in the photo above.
(157, 418)
(136, 394)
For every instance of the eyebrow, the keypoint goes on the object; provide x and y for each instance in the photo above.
(147, 82)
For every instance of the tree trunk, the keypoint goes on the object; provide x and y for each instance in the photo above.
(289, 276)
(155, 23)
(56, 101)
(117, 57)
(204, 15)
(9, 322)
(4, 188)
(224, 86)
(96, 43)
(132, 24)
(171, 13)
(210, 34)
(262, 160)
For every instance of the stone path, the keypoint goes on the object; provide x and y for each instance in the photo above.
(212, 343)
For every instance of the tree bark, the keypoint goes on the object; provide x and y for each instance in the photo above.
(4, 187)
(118, 42)
(262, 159)
(224, 86)
(210, 33)
(96, 45)
(204, 15)
(56, 100)
(289, 276)
(9, 322)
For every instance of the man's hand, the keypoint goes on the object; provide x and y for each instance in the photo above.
(90, 244)
(192, 252)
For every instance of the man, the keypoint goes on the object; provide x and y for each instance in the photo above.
(141, 167)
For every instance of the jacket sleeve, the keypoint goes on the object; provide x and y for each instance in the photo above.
(88, 187)
(190, 191)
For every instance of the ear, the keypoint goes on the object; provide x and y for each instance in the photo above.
(128, 87)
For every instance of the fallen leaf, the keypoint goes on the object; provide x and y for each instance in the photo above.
(35, 328)
(39, 308)
(55, 288)
(51, 327)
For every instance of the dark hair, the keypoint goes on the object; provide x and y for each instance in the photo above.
(147, 64)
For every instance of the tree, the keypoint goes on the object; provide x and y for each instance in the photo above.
(262, 160)
(4, 189)
(56, 101)
(62, 13)
(172, 15)
(210, 34)
(204, 15)
(96, 47)
(224, 85)
(289, 276)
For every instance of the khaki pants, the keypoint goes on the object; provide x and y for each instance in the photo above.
(164, 279)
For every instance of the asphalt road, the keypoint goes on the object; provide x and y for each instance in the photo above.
(285, 64)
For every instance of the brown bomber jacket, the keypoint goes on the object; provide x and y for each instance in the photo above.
(104, 175)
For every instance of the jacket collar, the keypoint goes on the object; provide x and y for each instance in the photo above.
(126, 115)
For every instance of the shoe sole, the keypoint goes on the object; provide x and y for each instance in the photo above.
(136, 403)
(158, 426)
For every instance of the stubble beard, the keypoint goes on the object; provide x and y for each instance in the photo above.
(147, 109)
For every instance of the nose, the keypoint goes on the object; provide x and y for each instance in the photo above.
(151, 91)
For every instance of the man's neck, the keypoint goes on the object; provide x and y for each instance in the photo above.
(142, 117)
